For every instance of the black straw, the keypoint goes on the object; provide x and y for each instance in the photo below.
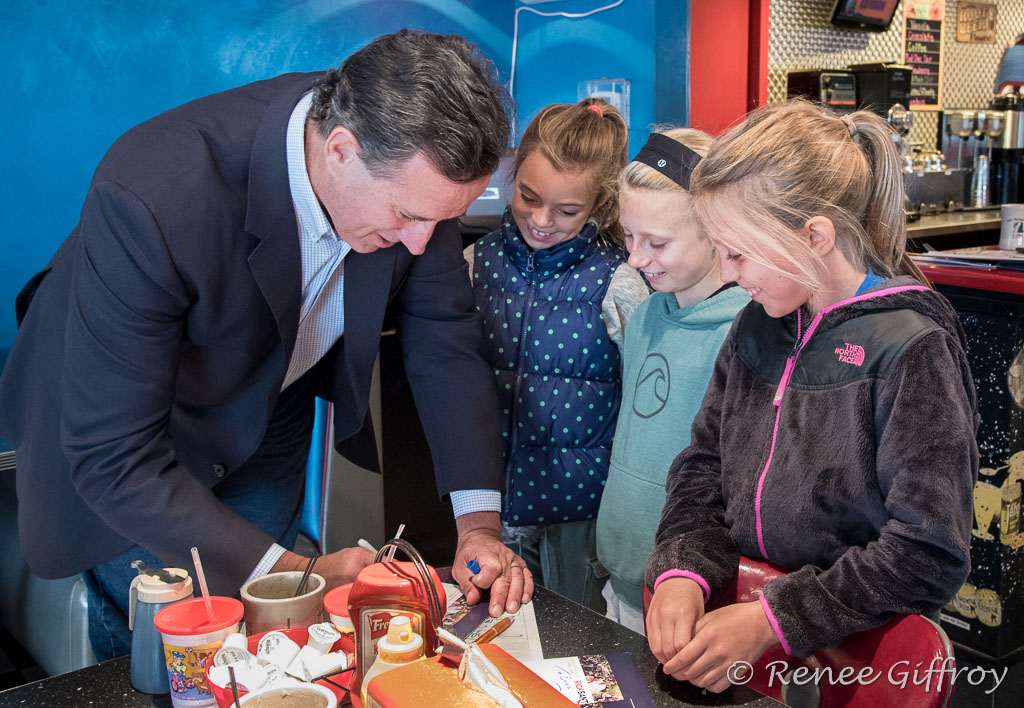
(234, 686)
(305, 576)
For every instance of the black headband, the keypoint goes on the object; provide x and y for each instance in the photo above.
(669, 157)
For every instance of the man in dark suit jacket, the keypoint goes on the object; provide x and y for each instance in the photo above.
(234, 258)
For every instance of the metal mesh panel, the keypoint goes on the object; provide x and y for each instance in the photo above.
(800, 37)
(969, 70)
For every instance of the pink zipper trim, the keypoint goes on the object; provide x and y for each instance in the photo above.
(760, 485)
(787, 374)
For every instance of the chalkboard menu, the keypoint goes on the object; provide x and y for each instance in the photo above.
(922, 51)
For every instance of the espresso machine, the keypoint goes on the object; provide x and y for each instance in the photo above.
(1006, 185)
(932, 186)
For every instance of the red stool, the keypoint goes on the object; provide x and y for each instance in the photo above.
(890, 654)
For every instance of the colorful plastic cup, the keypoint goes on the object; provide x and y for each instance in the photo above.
(191, 638)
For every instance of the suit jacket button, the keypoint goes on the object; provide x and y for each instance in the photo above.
(219, 470)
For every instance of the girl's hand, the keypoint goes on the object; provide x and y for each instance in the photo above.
(739, 632)
(674, 610)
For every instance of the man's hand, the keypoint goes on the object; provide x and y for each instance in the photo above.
(501, 570)
(336, 568)
(739, 632)
(675, 608)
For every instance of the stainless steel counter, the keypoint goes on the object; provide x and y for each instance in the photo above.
(956, 222)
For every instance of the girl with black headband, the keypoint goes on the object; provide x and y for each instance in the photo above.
(671, 343)
(555, 292)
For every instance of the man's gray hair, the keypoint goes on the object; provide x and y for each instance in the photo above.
(417, 92)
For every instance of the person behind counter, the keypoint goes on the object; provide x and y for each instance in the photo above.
(671, 343)
(555, 292)
(837, 435)
(235, 258)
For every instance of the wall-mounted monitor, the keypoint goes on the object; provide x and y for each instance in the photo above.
(871, 15)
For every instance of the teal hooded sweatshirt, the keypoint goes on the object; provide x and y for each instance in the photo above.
(668, 356)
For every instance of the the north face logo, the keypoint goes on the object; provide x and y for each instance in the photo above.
(851, 354)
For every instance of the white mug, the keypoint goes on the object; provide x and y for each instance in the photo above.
(1011, 234)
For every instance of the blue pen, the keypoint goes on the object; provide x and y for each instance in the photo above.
(473, 566)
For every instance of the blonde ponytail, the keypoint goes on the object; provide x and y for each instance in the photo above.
(885, 215)
(788, 162)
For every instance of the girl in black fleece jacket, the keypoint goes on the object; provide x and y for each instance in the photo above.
(837, 435)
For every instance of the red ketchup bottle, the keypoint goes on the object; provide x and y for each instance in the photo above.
(385, 590)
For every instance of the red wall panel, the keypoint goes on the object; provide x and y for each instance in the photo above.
(728, 61)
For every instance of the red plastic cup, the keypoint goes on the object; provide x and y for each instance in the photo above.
(191, 638)
(336, 605)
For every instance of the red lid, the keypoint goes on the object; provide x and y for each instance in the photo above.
(383, 582)
(336, 601)
(187, 617)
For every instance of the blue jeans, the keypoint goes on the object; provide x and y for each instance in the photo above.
(266, 490)
(562, 558)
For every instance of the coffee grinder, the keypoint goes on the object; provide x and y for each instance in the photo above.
(901, 121)
(1007, 163)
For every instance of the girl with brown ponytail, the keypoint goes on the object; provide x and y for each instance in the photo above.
(837, 436)
(554, 290)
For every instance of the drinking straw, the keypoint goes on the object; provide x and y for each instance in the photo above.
(234, 687)
(398, 534)
(305, 576)
(202, 583)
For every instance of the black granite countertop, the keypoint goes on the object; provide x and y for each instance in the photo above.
(566, 629)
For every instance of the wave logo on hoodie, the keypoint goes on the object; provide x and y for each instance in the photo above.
(653, 384)
(851, 354)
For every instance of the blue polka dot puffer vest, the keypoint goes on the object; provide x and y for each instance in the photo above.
(558, 372)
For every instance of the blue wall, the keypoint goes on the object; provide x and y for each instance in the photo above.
(78, 74)
(555, 53)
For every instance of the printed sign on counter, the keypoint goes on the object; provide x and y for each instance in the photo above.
(922, 51)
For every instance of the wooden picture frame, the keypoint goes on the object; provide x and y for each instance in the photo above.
(976, 23)
(923, 25)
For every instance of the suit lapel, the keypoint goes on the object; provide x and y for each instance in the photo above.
(276, 261)
(276, 266)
